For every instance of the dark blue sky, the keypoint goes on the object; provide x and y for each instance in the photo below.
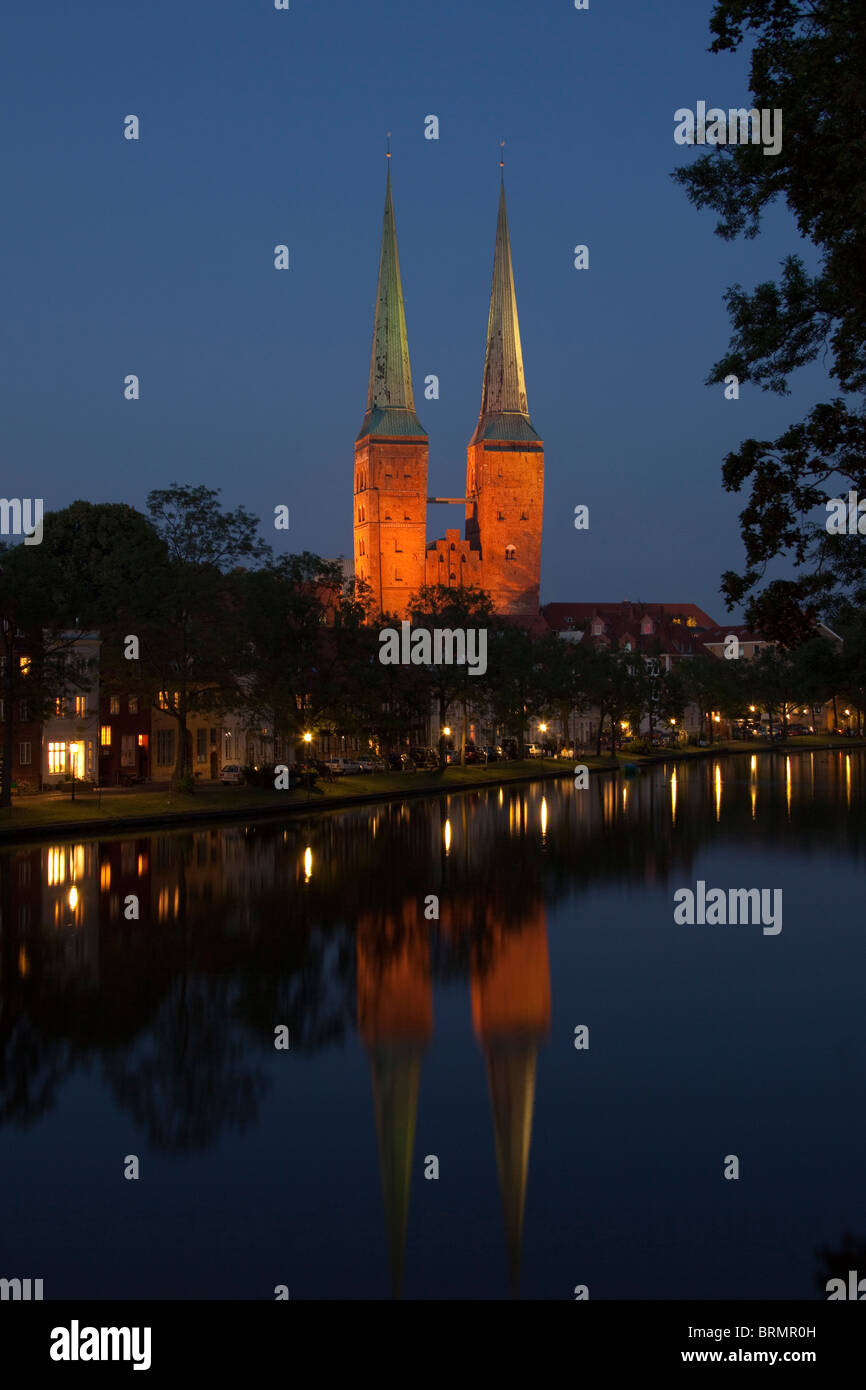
(260, 127)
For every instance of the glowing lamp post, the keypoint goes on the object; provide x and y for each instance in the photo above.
(308, 739)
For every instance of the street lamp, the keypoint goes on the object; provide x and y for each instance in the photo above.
(542, 729)
(308, 738)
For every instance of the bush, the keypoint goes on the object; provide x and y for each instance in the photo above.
(185, 784)
(640, 745)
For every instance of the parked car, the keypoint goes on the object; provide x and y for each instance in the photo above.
(424, 757)
(491, 754)
(261, 775)
(397, 761)
(231, 774)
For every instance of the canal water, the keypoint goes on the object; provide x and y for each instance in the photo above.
(509, 1069)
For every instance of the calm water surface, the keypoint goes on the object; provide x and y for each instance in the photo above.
(452, 1038)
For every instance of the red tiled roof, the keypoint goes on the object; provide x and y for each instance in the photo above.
(556, 614)
(745, 634)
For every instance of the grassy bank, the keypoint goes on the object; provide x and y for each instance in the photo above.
(31, 816)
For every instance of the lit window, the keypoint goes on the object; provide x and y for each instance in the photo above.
(80, 706)
(24, 663)
(142, 740)
(133, 704)
(56, 758)
(60, 705)
(105, 735)
(114, 704)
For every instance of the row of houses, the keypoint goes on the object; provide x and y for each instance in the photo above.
(111, 739)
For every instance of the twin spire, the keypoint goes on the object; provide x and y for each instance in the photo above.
(390, 399)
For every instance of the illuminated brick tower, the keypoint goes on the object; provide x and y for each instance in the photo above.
(505, 457)
(390, 522)
(501, 551)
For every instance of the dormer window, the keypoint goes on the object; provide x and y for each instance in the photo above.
(597, 627)
(647, 626)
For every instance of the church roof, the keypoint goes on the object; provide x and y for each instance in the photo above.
(390, 400)
(504, 410)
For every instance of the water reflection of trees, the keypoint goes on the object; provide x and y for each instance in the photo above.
(244, 928)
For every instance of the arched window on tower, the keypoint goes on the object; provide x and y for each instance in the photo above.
(510, 554)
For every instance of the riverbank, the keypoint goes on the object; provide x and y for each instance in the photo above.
(94, 813)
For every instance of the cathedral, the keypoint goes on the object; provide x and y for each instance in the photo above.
(501, 550)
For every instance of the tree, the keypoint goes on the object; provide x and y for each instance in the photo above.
(283, 606)
(88, 567)
(453, 609)
(707, 682)
(517, 688)
(819, 672)
(772, 676)
(192, 644)
(808, 60)
(851, 625)
(562, 679)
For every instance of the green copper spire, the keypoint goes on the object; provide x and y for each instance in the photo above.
(390, 402)
(504, 411)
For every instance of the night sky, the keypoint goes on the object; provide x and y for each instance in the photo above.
(261, 127)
